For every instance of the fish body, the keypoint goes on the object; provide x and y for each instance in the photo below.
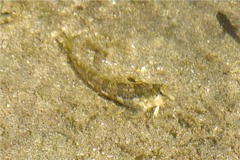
(134, 95)
(227, 26)
(130, 94)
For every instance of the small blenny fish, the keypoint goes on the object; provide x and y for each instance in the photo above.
(227, 26)
(134, 95)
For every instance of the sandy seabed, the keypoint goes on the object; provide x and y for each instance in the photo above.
(47, 112)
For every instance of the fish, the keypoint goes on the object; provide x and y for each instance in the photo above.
(227, 26)
(134, 95)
